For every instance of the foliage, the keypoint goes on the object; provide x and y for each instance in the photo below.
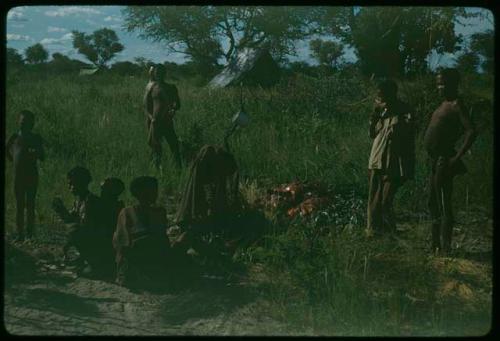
(199, 31)
(36, 54)
(127, 68)
(99, 47)
(61, 64)
(14, 58)
(482, 43)
(395, 41)
(327, 53)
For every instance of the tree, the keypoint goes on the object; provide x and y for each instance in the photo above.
(14, 58)
(468, 62)
(482, 43)
(61, 63)
(143, 62)
(395, 41)
(126, 68)
(327, 53)
(208, 35)
(99, 47)
(36, 54)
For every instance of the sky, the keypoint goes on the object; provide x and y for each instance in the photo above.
(51, 26)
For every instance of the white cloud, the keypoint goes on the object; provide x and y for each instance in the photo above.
(17, 25)
(92, 22)
(18, 37)
(56, 29)
(57, 41)
(64, 11)
(16, 14)
(113, 18)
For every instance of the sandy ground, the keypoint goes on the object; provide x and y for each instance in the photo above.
(60, 304)
(45, 300)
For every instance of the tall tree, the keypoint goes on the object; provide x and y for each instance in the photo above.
(468, 62)
(99, 47)
(482, 43)
(36, 54)
(143, 62)
(209, 35)
(327, 53)
(14, 58)
(395, 40)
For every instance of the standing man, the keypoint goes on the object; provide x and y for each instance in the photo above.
(448, 123)
(392, 156)
(24, 148)
(161, 101)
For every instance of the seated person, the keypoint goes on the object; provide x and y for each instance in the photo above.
(111, 189)
(211, 192)
(140, 238)
(82, 219)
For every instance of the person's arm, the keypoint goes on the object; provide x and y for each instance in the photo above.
(40, 150)
(121, 237)
(374, 118)
(62, 212)
(177, 100)
(469, 133)
(8, 147)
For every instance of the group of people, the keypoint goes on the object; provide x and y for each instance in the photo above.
(110, 236)
(392, 157)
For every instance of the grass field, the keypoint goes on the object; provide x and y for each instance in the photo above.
(304, 129)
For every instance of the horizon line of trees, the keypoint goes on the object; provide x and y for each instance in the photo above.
(387, 41)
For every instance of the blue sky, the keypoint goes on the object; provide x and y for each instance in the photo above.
(52, 25)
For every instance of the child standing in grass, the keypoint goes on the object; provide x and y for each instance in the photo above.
(24, 148)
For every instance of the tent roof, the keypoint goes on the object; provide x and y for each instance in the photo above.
(86, 72)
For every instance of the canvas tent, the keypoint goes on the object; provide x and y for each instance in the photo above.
(251, 66)
(88, 72)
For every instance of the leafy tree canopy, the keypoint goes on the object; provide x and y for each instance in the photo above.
(99, 47)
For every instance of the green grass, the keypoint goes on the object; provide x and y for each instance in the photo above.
(302, 129)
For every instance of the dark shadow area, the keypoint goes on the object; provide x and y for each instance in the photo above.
(478, 256)
(60, 303)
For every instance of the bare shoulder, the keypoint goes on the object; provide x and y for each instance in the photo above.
(458, 105)
(126, 211)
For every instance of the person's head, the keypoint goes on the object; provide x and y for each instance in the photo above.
(112, 188)
(78, 180)
(447, 81)
(157, 72)
(387, 90)
(26, 120)
(145, 189)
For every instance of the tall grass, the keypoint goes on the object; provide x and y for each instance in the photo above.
(302, 129)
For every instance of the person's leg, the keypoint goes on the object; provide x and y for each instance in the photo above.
(30, 210)
(374, 202)
(173, 143)
(156, 154)
(389, 190)
(447, 221)
(154, 141)
(20, 194)
(435, 211)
